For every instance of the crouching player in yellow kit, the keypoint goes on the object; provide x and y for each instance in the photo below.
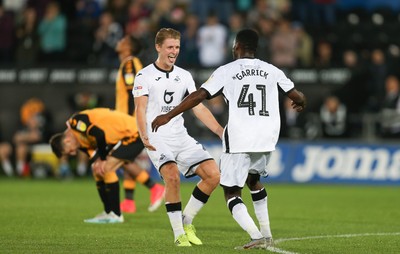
(111, 140)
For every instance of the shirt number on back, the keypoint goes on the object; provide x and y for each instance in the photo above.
(247, 100)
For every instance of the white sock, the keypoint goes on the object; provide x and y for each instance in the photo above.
(7, 167)
(243, 218)
(192, 208)
(261, 211)
(175, 218)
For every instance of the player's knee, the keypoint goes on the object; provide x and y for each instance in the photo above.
(172, 179)
(252, 181)
(214, 179)
(170, 174)
(209, 172)
(232, 191)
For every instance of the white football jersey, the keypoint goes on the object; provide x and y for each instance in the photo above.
(250, 88)
(165, 90)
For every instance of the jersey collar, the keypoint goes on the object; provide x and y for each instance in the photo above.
(166, 72)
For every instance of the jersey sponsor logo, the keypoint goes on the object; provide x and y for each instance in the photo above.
(166, 109)
(250, 73)
(168, 98)
(129, 78)
(138, 88)
(158, 78)
(81, 126)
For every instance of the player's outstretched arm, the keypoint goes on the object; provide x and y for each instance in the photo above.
(189, 102)
(208, 119)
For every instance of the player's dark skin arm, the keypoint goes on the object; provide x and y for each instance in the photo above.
(299, 101)
(189, 102)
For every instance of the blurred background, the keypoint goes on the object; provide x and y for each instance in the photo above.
(58, 57)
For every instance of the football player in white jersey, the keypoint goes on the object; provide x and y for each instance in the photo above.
(250, 87)
(158, 88)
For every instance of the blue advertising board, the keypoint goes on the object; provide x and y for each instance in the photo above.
(324, 162)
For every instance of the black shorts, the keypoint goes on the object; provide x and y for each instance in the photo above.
(127, 152)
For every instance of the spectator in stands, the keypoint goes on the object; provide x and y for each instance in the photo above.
(161, 9)
(324, 55)
(189, 54)
(261, 9)
(88, 10)
(281, 8)
(36, 128)
(173, 17)
(6, 35)
(301, 11)
(390, 108)
(333, 116)
(177, 18)
(212, 42)
(378, 70)
(266, 28)
(236, 22)
(39, 5)
(223, 9)
(145, 35)
(52, 31)
(81, 29)
(284, 45)
(324, 13)
(354, 92)
(118, 10)
(87, 14)
(243, 6)
(137, 11)
(27, 38)
(107, 35)
(305, 45)
(292, 123)
(13, 5)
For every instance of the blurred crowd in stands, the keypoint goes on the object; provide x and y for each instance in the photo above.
(294, 33)
(359, 35)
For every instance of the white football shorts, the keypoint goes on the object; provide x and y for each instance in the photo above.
(235, 167)
(187, 152)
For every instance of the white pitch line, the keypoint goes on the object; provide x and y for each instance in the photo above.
(277, 250)
(281, 251)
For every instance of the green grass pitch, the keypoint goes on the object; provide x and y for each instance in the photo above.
(46, 216)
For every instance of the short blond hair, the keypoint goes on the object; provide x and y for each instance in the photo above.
(166, 33)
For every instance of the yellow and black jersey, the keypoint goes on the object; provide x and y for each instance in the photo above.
(100, 128)
(124, 84)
